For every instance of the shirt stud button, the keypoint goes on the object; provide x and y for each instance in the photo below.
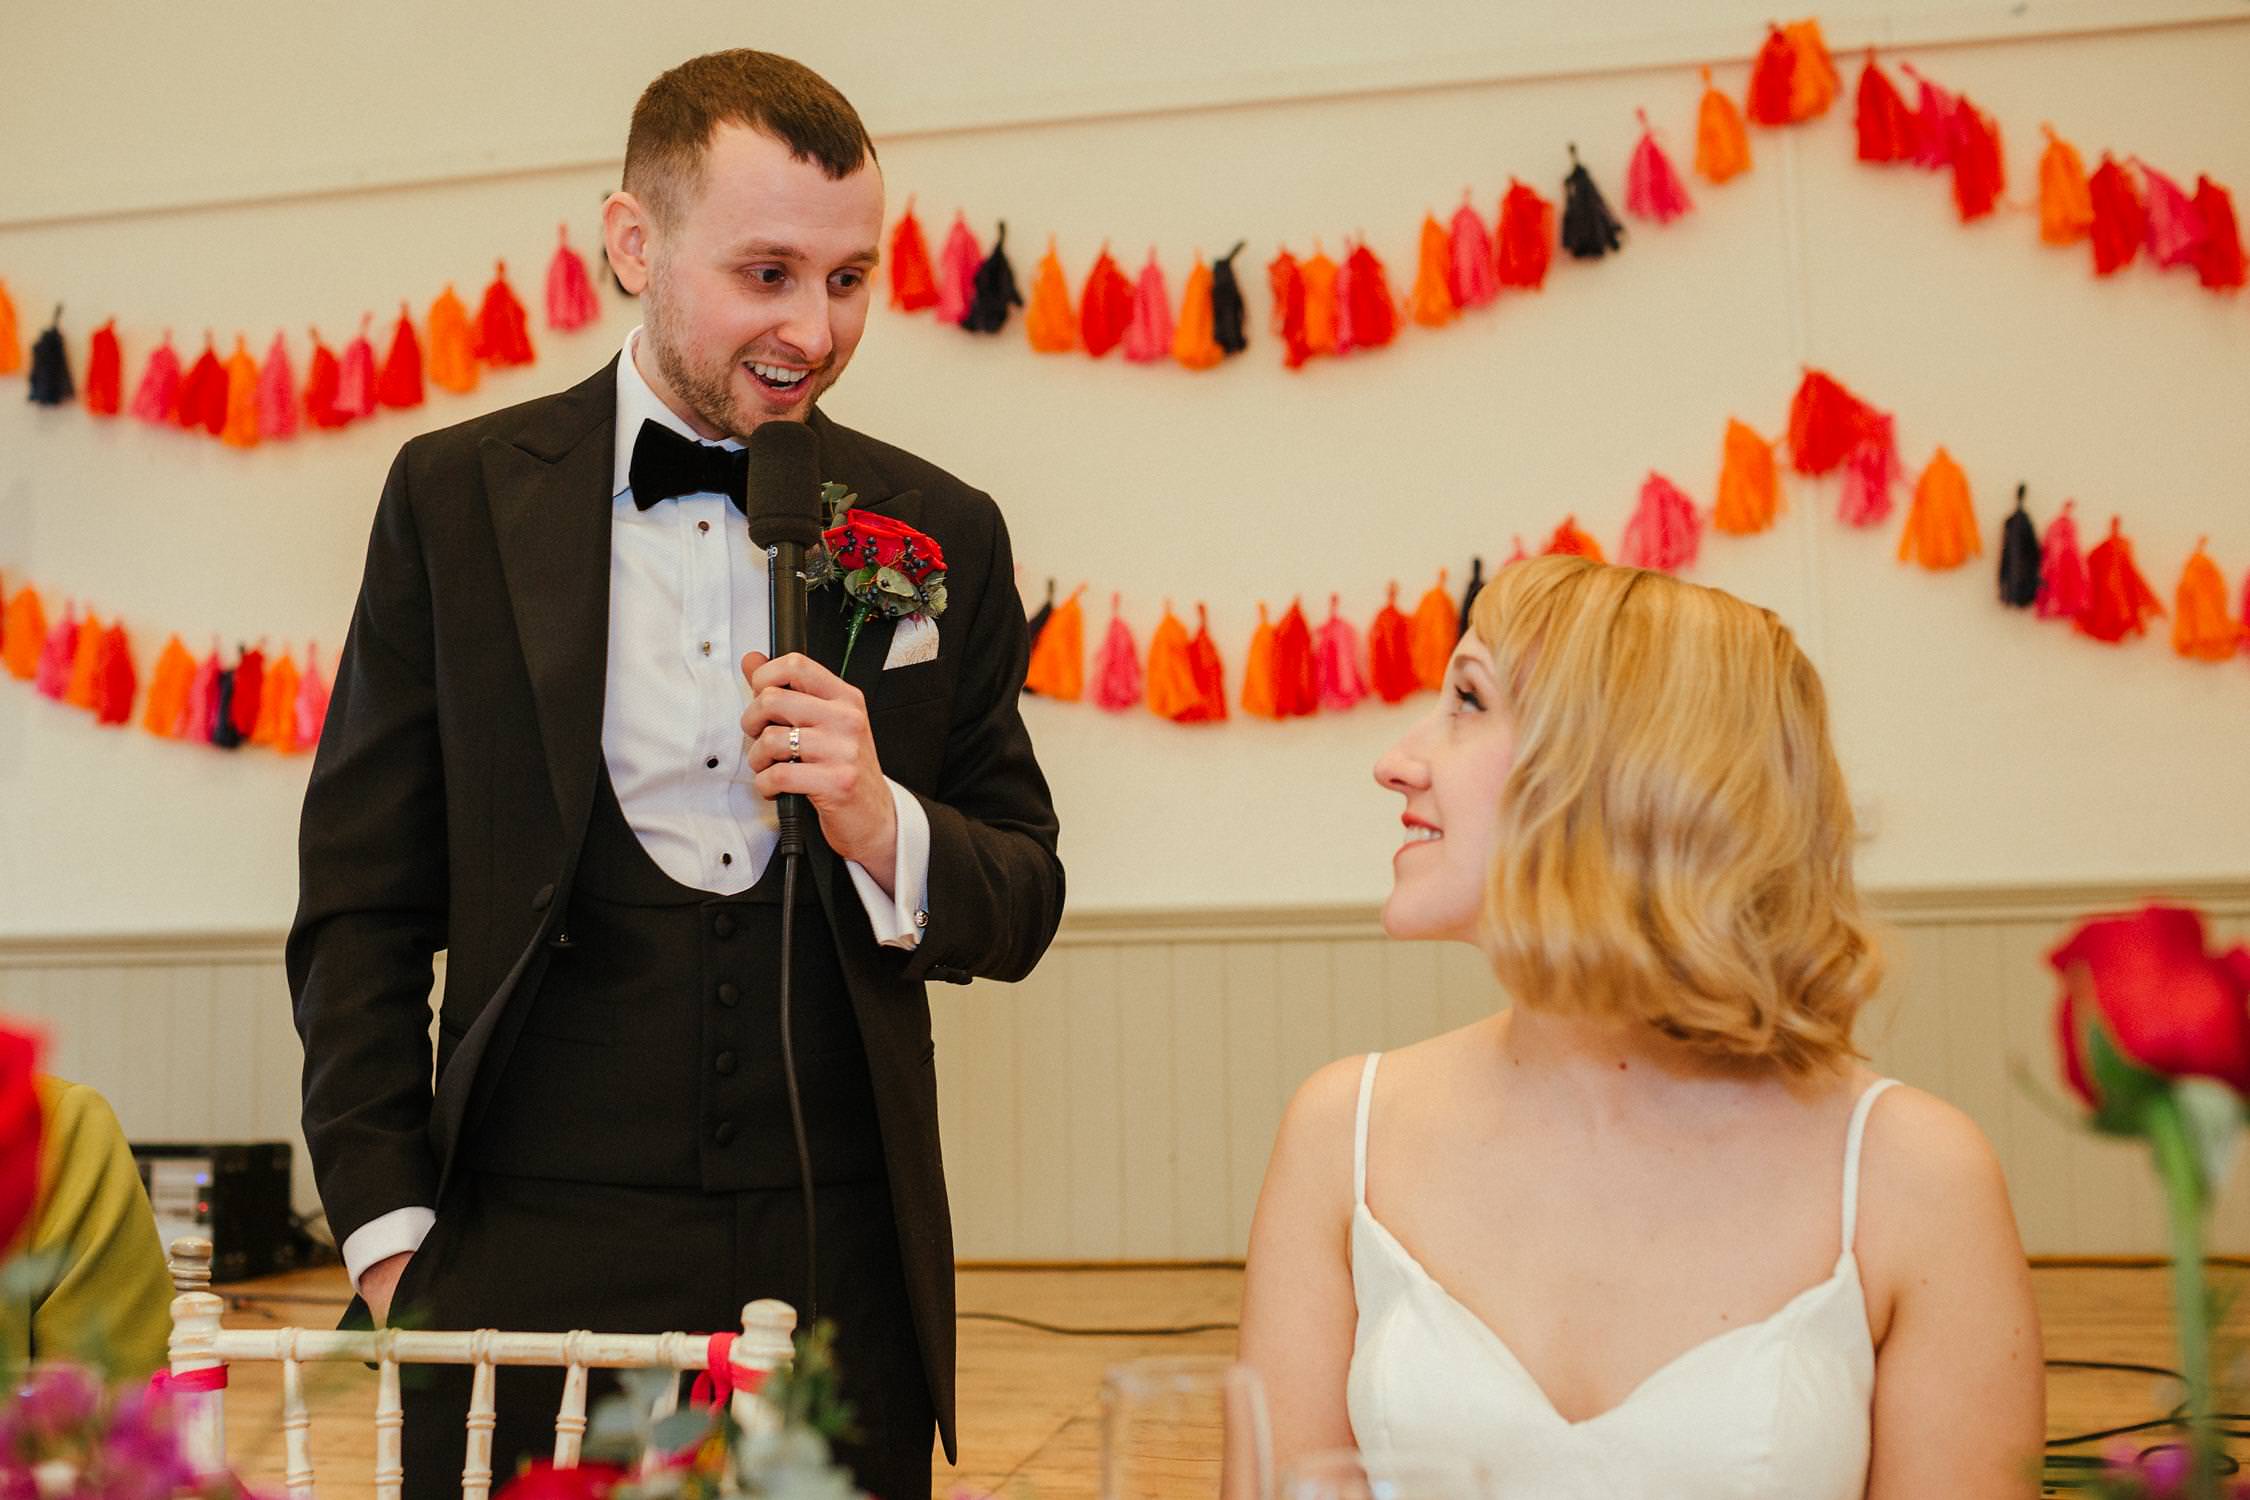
(703, 526)
(706, 648)
(711, 764)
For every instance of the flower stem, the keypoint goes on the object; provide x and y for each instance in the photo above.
(851, 637)
(2191, 1304)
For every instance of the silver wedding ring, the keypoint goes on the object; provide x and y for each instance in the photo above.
(793, 752)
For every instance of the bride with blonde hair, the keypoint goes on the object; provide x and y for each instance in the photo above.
(1653, 1229)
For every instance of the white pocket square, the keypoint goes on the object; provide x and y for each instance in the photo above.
(915, 640)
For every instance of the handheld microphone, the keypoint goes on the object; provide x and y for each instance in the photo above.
(782, 499)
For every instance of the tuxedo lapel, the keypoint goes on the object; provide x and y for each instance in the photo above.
(549, 493)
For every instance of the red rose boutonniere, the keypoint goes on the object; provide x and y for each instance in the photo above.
(885, 567)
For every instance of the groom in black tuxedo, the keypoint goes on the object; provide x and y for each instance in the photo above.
(552, 752)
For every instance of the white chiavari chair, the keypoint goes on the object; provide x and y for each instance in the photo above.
(201, 1350)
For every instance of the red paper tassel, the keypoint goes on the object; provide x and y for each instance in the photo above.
(1934, 134)
(1979, 172)
(203, 393)
(277, 392)
(1653, 190)
(1261, 694)
(1336, 661)
(1826, 422)
(2201, 627)
(913, 281)
(2175, 226)
(1474, 279)
(1869, 472)
(1772, 79)
(115, 682)
(1209, 672)
(2063, 589)
(203, 702)
(570, 292)
(1527, 237)
(957, 274)
(105, 372)
(157, 398)
(1372, 308)
(2220, 262)
(249, 692)
(322, 379)
(1390, 652)
(1287, 281)
(2119, 223)
(2119, 601)
(1148, 338)
(1886, 125)
(1665, 532)
(1105, 309)
(1117, 667)
(355, 378)
(501, 336)
(1296, 680)
(1570, 541)
(399, 386)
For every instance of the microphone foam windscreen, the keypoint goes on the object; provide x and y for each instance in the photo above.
(782, 496)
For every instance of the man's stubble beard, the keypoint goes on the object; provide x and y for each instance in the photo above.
(711, 397)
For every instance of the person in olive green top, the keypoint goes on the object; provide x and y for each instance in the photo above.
(109, 1298)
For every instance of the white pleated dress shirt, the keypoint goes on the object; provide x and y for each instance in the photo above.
(687, 599)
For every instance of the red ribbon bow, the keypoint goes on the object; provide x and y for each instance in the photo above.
(720, 1379)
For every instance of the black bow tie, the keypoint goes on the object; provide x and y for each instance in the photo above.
(666, 466)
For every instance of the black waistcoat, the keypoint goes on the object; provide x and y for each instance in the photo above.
(651, 1054)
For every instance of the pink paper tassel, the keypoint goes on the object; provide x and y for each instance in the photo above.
(570, 293)
(1347, 274)
(1870, 470)
(355, 379)
(157, 397)
(1148, 338)
(1117, 667)
(1652, 188)
(2062, 571)
(57, 655)
(277, 392)
(957, 273)
(312, 702)
(2175, 225)
(1336, 665)
(1665, 532)
(203, 701)
(1475, 279)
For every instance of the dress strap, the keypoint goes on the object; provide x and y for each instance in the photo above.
(1851, 1156)
(1359, 1130)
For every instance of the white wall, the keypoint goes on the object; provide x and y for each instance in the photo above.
(180, 170)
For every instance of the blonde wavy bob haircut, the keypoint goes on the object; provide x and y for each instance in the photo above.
(1674, 839)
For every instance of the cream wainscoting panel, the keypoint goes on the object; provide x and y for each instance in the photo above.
(1119, 1104)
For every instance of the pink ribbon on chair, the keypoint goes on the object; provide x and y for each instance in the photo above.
(720, 1379)
(165, 1383)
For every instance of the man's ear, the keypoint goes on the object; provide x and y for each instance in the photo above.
(625, 236)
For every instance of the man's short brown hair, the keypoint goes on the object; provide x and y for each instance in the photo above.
(673, 122)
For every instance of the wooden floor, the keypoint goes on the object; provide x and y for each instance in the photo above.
(1029, 1410)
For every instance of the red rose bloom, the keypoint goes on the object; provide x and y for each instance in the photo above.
(541, 1480)
(2167, 1005)
(866, 539)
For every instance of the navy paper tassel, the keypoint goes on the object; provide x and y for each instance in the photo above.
(50, 368)
(995, 289)
(2019, 558)
(223, 733)
(1226, 304)
(1469, 594)
(1036, 628)
(1589, 230)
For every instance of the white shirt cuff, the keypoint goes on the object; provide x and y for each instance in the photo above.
(384, 1236)
(898, 919)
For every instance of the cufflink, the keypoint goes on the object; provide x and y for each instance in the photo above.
(921, 919)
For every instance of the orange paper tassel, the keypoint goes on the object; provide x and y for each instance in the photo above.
(1319, 275)
(11, 338)
(2066, 206)
(22, 633)
(277, 707)
(85, 662)
(1433, 633)
(1433, 289)
(1813, 84)
(449, 357)
(166, 714)
(1050, 322)
(1193, 342)
(1941, 529)
(1171, 679)
(1571, 542)
(241, 430)
(1749, 484)
(1258, 687)
(2201, 627)
(1058, 661)
(1722, 145)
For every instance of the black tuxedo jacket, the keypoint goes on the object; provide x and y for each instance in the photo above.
(450, 795)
